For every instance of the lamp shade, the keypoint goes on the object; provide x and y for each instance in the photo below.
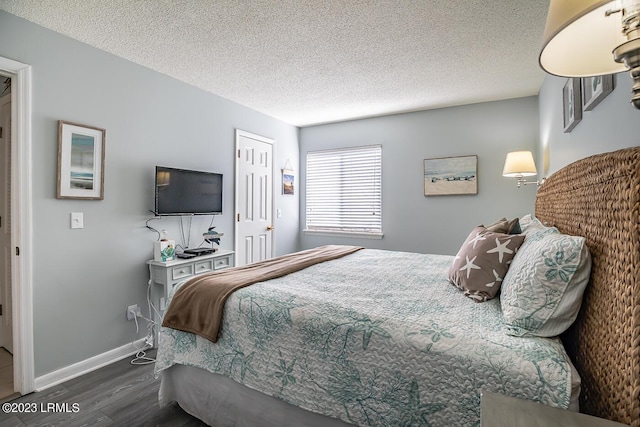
(579, 38)
(519, 163)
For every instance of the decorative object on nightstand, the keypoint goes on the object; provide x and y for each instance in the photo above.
(164, 250)
(211, 236)
(497, 410)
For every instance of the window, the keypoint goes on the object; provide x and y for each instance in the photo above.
(344, 191)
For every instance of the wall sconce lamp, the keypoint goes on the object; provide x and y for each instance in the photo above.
(520, 164)
(585, 38)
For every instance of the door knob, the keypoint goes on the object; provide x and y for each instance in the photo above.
(270, 227)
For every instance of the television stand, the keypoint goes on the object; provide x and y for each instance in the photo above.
(165, 275)
(200, 251)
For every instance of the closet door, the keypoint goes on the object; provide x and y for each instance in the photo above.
(254, 198)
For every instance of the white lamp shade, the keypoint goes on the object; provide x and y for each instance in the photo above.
(519, 163)
(579, 38)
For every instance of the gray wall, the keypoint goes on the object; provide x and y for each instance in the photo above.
(411, 221)
(613, 124)
(85, 279)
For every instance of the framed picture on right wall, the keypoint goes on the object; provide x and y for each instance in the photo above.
(571, 104)
(595, 89)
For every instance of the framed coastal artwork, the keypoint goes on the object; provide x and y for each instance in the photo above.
(572, 104)
(595, 89)
(80, 161)
(446, 176)
(288, 181)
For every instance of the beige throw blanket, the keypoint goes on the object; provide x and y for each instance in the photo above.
(197, 306)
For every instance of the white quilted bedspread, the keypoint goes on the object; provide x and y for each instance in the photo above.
(376, 338)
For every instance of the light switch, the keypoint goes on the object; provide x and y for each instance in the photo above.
(279, 213)
(77, 220)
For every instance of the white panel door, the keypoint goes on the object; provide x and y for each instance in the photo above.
(254, 198)
(6, 323)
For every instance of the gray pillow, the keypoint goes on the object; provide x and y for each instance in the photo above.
(506, 226)
(482, 262)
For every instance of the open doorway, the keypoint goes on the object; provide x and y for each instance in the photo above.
(21, 212)
(6, 321)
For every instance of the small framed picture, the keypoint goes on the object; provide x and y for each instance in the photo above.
(80, 161)
(451, 175)
(288, 182)
(572, 104)
(595, 89)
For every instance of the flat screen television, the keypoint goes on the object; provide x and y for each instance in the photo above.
(187, 192)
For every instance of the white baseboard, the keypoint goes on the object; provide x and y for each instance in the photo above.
(96, 362)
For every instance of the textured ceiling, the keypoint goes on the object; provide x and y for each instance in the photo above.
(311, 61)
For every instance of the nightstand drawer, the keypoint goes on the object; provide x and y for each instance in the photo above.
(204, 266)
(182, 271)
(222, 262)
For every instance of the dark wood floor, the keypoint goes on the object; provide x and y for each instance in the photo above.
(120, 394)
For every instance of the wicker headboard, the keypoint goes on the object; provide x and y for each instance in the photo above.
(599, 198)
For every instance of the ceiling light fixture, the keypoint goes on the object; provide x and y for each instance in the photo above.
(586, 38)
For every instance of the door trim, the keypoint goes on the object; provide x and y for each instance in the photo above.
(22, 223)
(239, 134)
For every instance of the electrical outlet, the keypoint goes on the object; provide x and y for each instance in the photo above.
(133, 311)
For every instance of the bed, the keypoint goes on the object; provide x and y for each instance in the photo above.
(391, 342)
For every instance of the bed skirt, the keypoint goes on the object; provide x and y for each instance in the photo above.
(220, 401)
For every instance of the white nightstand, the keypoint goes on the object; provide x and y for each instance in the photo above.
(165, 275)
(498, 410)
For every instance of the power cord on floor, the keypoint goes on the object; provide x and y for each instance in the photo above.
(141, 357)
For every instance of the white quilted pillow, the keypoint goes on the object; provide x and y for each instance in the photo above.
(542, 291)
(530, 224)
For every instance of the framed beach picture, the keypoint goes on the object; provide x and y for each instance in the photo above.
(451, 175)
(572, 104)
(80, 161)
(288, 178)
(595, 89)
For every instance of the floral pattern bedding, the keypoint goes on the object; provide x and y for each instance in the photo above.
(376, 338)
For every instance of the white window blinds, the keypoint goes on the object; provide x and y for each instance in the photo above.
(344, 190)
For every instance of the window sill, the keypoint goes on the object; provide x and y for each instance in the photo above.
(376, 236)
